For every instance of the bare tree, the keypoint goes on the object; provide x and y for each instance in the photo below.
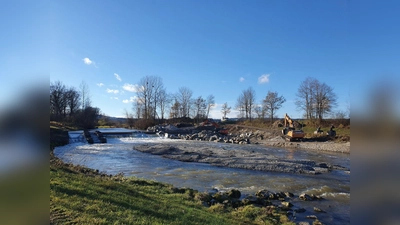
(225, 109)
(138, 108)
(325, 100)
(246, 101)
(164, 101)
(129, 118)
(73, 100)
(184, 97)
(339, 114)
(175, 109)
(210, 103)
(158, 86)
(272, 103)
(200, 108)
(240, 106)
(148, 93)
(259, 111)
(315, 98)
(85, 95)
(58, 100)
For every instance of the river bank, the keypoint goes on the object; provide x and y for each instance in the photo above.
(239, 134)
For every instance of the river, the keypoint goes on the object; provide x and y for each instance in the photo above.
(118, 156)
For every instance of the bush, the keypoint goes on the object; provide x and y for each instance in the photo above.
(217, 208)
(143, 124)
(250, 212)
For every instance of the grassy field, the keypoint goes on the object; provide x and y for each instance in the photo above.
(80, 195)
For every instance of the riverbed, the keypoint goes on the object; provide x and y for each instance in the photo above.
(119, 156)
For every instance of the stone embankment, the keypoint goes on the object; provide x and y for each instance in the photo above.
(271, 201)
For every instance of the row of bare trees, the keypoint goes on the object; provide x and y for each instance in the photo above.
(72, 105)
(315, 99)
(153, 102)
(246, 104)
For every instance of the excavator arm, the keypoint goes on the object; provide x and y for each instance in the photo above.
(290, 131)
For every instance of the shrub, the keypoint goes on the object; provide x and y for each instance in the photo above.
(217, 208)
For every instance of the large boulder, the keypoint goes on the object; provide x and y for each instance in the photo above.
(265, 194)
(234, 193)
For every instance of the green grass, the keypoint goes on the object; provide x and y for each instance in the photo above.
(80, 195)
(81, 198)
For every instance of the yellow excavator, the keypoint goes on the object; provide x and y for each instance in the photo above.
(290, 132)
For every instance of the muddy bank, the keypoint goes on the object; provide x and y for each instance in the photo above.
(232, 158)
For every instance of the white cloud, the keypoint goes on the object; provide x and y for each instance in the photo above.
(131, 99)
(87, 61)
(114, 91)
(114, 98)
(263, 78)
(100, 84)
(241, 79)
(117, 76)
(131, 87)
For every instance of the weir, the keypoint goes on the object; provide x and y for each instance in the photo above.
(99, 135)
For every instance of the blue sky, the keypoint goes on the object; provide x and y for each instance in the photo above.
(211, 47)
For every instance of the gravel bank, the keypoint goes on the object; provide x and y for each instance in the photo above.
(317, 146)
(237, 158)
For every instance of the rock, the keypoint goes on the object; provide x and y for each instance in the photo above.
(280, 195)
(305, 197)
(300, 210)
(318, 210)
(323, 165)
(303, 223)
(288, 194)
(316, 197)
(220, 197)
(204, 197)
(316, 222)
(287, 204)
(234, 193)
(250, 200)
(312, 217)
(213, 138)
(266, 194)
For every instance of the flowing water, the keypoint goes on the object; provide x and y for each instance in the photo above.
(118, 156)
